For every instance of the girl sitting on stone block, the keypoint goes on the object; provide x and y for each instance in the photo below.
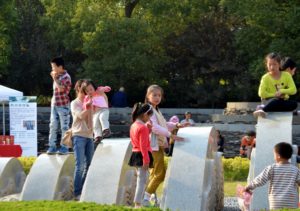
(275, 88)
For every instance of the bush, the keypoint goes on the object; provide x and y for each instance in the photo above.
(27, 163)
(60, 205)
(43, 100)
(236, 169)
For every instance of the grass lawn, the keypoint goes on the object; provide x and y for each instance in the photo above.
(230, 187)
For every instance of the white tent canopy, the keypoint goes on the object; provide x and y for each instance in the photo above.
(5, 93)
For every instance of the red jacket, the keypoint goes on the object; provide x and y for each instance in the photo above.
(139, 136)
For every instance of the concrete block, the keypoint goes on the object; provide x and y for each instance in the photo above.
(12, 176)
(193, 180)
(110, 180)
(50, 178)
(277, 127)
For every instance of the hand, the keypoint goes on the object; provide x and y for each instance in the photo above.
(278, 94)
(186, 124)
(247, 190)
(54, 74)
(149, 125)
(145, 166)
(176, 138)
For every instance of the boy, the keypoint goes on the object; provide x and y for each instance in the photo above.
(247, 143)
(288, 65)
(60, 104)
(284, 179)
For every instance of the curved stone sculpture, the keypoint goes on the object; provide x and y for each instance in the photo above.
(12, 176)
(275, 128)
(110, 180)
(194, 179)
(50, 178)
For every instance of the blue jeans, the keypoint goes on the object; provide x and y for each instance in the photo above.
(83, 152)
(60, 115)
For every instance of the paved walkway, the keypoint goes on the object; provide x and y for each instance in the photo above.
(231, 204)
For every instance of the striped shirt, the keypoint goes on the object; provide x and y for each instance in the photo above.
(61, 98)
(283, 189)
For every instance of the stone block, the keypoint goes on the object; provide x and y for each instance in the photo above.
(277, 127)
(194, 179)
(12, 176)
(110, 180)
(50, 178)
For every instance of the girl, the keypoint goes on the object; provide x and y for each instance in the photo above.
(141, 156)
(82, 135)
(275, 88)
(100, 108)
(160, 130)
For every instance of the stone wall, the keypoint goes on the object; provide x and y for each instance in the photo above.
(232, 125)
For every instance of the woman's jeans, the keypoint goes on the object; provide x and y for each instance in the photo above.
(83, 152)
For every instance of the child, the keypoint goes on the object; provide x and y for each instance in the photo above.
(158, 138)
(175, 120)
(141, 156)
(288, 65)
(100, 109)
(284, 179)
(60, 104)
(247, 143)
(275, 88)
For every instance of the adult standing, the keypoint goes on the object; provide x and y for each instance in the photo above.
(82, 134)
(119, 99)
(60, 104)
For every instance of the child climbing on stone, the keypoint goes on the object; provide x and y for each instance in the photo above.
(284, 179)
(141, 156)
(100, 110)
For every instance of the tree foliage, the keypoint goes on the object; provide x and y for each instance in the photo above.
(203, 52)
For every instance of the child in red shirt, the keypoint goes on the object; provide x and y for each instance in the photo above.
(141, 156)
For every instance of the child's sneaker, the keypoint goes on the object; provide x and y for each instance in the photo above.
(146, 203)
(106, 133)
(259, 113)
(51, 150)
(63, 150)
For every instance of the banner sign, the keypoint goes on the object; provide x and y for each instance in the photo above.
(23, 123)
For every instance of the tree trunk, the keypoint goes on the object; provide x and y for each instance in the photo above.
(129, 7)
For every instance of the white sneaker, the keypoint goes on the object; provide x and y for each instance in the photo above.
(259, 113)
(146, 203)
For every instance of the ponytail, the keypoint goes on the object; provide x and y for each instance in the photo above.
(140, 109)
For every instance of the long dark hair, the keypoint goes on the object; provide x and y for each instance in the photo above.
(140, 109)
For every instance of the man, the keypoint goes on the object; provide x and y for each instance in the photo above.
(188, 116)
(60, 104)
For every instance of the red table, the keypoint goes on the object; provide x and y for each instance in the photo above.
(7, 150)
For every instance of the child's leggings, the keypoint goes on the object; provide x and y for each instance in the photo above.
(142, 176)
(157, 174)
(100, 121)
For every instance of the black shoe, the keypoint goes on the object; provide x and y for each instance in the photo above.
(106, 133)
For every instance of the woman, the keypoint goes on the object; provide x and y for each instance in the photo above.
(82, 134)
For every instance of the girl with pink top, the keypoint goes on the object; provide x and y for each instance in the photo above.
(100, 110)
(141, 156)
(158, 138)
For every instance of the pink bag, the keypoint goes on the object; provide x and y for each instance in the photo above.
(244, 198)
